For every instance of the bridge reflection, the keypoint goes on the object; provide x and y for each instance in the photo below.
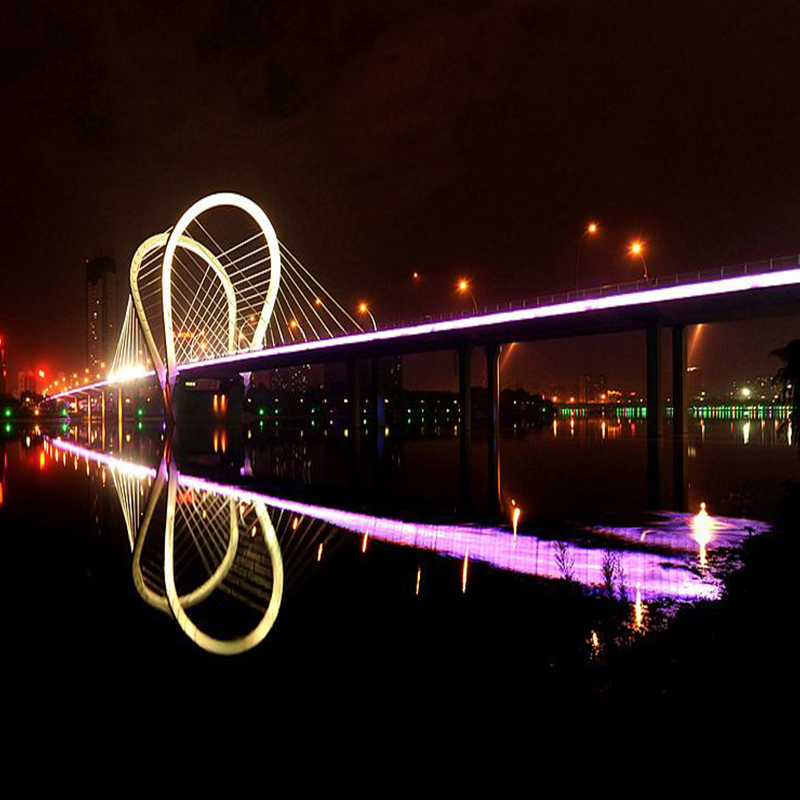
(227, 551)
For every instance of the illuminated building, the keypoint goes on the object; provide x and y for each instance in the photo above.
(592, 388)
(30, 381)
(101, 311)
(394, 375)
(290, 379)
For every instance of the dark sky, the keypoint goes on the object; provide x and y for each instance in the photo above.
(453, 137)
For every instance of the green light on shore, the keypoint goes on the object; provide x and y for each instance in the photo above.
(7, 412)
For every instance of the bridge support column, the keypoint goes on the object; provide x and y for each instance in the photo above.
(655, 380)
(174, 401)
(379, 402)
(680, 489)
(654, 413)
(464, 421)
(354, 418)
(493, 445)
(233, 390)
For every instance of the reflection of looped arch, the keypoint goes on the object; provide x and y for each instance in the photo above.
(174, 240)
(207, 587)
(187, 243)
(178, 605)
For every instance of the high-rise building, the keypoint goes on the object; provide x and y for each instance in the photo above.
(394, 375)
(290, 379)
(101, 311)
(592, 388)
(30, 381)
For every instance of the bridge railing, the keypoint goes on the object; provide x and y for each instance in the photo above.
(606, 290)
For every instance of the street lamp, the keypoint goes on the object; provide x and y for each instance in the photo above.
(463, 288)
(592, 229)
(637, 250)
(363, 308)
(295, 325)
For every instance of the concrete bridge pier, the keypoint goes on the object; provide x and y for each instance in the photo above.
(464, 423)
(680, 428)
(494, 501)
(655, 410)
(234, 392)
(378, 380)
(355, 414)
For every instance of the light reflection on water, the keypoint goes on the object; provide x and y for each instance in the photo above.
(235, 544)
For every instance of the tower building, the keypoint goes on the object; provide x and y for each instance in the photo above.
(101, 311)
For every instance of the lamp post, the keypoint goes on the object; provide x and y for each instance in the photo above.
(295, 325)
(463, 288)
(364, 309)
(637, 250)
(592, 229)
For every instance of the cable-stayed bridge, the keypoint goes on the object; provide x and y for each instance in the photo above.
(198, 293)
(219, 296)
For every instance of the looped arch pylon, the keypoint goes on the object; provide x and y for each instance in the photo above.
(166, 360)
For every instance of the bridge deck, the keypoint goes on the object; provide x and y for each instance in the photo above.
(761, 289)
(698, 297)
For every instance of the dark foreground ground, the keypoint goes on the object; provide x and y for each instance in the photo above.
(730, 660)
(457, 683)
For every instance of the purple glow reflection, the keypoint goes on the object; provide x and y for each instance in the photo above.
(669, 573)
(654, 574)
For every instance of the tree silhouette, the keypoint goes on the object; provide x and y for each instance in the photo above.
(787, 379)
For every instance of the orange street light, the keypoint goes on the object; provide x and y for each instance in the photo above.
(295, 325)
(463, 288)
(637, 250)
(363, 308)
(592, 229)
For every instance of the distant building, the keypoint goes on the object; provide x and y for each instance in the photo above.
(394, 376)
(759, 388)
(30, 381)
(694, 383)
(101, 311)
(290, 379)
(592, 388)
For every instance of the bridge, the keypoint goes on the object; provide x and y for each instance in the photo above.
(202, 307)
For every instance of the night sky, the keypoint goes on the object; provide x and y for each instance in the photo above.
(472, 138)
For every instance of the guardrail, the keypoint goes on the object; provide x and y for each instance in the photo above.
(594, 293)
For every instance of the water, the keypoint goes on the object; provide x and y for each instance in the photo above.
(270, 547)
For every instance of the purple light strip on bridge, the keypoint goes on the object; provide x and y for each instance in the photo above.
(766, 280)
(99, 385)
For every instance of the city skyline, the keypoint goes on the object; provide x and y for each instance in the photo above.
(506, 229)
